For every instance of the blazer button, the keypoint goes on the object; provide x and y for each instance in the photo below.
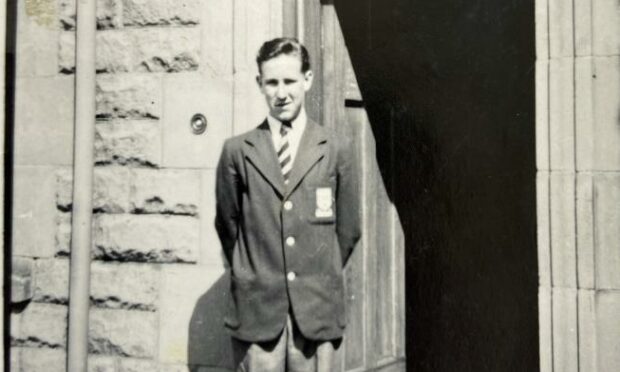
(288, 205)
(290, 241)
(291, 276)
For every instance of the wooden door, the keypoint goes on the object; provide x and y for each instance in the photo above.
(375, 335)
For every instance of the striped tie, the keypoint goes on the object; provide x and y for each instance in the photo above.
(284, 151)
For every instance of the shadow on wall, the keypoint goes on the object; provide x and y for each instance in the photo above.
(210, 345)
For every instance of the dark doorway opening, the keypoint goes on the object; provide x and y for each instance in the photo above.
(456, 80)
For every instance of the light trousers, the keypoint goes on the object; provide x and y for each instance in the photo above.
(290, 352)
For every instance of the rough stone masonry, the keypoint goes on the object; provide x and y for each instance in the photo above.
(152, 251)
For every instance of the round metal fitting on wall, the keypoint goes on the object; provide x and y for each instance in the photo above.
(198, 124)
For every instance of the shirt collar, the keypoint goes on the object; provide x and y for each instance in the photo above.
(298, 122)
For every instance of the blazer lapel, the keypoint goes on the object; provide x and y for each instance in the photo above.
(263, 155)
(311, 149)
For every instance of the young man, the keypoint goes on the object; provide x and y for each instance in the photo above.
(287, 217)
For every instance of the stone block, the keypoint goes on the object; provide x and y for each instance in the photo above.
(21, 279)
(36, 38)
(252, 25)
(185, 312)
(607, 229)
(161, 12)
(608, 330)
(561, 114)
(585, 231)
(545, 329)
(541, 15)
(606, 27)
(562, 215)
(66, 53)
(125, 286)
(138, 50)
(51, 281)
(168, 191)
(98, 363)
(137, 365)
(583, 27)
(249, 105)
(584, 114)
(63, 234)
(560, 28)
(544, 228)
(123, 333)
(606, 107)
(146, 238)
(185, 95)
(110, 189)
(587, 330)
(25, 359)
(211, 253)
(44, 121)
(34, 211)
(133, 96)
(40, 325)
(132, 142)
(216, 58)
(542, 115)
(185, 368)
(117, 286)
(109, 14)
(565, 330)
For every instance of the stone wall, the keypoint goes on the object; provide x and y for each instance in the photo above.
(578, 159)
(157, 280)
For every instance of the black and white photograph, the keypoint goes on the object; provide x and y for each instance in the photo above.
(310, 185)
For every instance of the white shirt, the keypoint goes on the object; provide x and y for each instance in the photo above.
(294, 134)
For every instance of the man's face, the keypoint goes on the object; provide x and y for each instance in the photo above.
(284, 86)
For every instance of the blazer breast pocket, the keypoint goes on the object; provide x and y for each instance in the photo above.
(322, 202)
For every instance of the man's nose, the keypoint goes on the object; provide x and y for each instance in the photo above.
(281, 92)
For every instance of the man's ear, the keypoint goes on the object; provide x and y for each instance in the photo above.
(259, 81)
(308, 77)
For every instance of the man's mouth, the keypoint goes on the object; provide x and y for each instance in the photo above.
(283, 104)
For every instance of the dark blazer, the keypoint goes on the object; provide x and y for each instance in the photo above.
(257, 215)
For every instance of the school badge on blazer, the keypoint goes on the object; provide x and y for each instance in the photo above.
(324, 203)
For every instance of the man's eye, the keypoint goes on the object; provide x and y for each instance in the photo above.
(290, 81)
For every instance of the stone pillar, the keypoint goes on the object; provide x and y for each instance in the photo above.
(578, 183)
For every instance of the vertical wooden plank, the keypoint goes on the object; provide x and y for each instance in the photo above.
(312, 39)
(355, 337)
(399, 286)
(384, 248)
(329, 63)
(335, 64)
(370, 228)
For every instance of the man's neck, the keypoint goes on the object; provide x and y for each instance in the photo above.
(300, 119)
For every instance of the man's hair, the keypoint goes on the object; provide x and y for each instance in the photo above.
(283, 45)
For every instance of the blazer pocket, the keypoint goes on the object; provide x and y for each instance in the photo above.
(239, 288)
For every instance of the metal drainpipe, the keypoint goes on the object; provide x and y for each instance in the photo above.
(81, 224)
